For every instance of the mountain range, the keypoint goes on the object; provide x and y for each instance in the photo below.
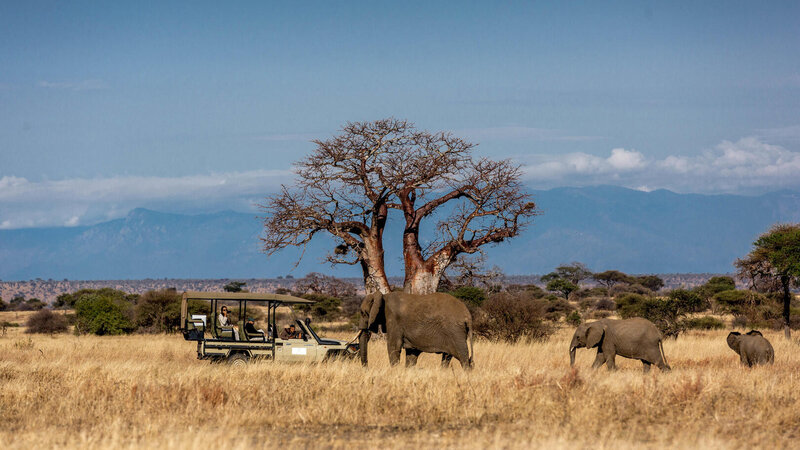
(604, 227)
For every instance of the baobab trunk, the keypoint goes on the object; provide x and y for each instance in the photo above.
(423, 277)
(372, 266)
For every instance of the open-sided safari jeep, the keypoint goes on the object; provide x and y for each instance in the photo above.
(238, 346)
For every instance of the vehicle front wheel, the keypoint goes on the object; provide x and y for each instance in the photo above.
(238, 360)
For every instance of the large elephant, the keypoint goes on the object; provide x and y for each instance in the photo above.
(753, 348)
(433, 323)
(634, 338)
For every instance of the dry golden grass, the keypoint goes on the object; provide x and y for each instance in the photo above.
(143, 391)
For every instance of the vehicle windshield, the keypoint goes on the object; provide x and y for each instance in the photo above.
(310, 330)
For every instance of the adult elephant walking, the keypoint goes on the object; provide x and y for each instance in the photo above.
(432, 323)
(634, 338)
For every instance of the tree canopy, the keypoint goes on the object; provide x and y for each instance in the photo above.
(774, 264)
(347, 186)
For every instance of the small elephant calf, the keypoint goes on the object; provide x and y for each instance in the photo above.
(753, 347)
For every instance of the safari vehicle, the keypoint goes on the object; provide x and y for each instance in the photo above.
(237, 346)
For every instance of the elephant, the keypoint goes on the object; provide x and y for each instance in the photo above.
(752, 348)
(432, 323)
(635, 338)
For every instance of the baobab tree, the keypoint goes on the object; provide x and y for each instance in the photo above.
(349, 183)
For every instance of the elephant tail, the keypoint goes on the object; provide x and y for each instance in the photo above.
(470, 334)
(663, 356)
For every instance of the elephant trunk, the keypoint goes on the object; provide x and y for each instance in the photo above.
(572, 355)
(363, 342)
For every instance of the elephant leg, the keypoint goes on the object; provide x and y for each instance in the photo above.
(395, 345)
(462, 354)
(411, 357)
(599, 360)
(610, 360)
(446, 358)
(646, 365)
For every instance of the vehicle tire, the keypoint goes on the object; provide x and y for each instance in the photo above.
(238, 360)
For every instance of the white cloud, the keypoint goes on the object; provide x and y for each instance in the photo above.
(80, 201)
(625, 160)
(746, 164)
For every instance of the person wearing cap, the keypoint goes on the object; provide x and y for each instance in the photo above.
(250, 330)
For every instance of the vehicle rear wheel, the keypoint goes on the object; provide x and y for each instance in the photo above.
(238, 360)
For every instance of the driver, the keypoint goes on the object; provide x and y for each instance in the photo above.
(290, 332)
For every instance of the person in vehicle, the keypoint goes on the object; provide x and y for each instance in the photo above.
(290, 332)
(250, 330)
(225, 322)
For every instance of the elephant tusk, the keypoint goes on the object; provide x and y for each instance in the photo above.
(355, 338)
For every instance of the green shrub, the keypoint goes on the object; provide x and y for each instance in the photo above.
(665, 313)
(557, 308)
(738, 302)
(326, 307)
(622, 289)
(703, 323)
(562, 286)
(159, 311)
(714, 286)
(471, 295)
(509, 317)
(45, 322)
(104, 312)
(573, 319)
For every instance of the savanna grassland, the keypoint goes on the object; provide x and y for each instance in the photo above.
(150, 391)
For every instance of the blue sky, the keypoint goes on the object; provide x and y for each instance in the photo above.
(193, 106)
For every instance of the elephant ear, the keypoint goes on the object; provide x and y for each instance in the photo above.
(754, 333)
(733, 340)
(376, 312)
(594, 334)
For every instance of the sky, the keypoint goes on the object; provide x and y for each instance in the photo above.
(201, 106)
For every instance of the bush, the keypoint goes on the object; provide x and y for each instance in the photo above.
(665, 313)
(687, 301)
(557, 308)
(573, 319)
(714, 286)
(510, 318)
(104, 312)
(703, 323)
(605, 304)
(530, 289)
(596, 291)
(622, 289)
(562, 286)
(738, 302)
(652, 282)
(159, 311)
(326, 307)
(3, 305)
(472, 296)
(45, 322)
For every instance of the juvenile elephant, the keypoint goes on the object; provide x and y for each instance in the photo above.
(634, 338)
(433, 323)
(752, 348)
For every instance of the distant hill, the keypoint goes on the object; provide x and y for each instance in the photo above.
(604, 227)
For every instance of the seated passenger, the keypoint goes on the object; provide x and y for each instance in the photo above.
(225, 322)
(252, 333)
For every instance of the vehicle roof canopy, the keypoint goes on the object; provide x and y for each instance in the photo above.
(238, 296)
